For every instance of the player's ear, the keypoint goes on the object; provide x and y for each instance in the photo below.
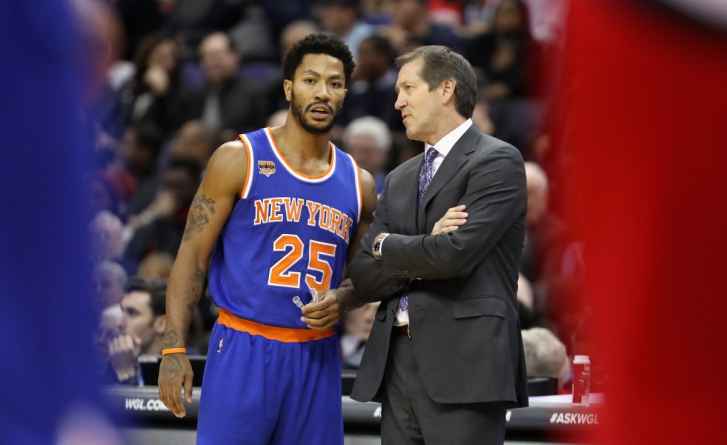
(288, 89)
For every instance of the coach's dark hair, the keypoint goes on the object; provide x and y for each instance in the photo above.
(440, 64)
(318, 43)
(156, 290)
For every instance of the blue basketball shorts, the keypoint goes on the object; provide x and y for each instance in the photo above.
(259, 391)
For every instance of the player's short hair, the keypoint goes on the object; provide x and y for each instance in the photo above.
(440, 64)
(318, 43)
(156, 289)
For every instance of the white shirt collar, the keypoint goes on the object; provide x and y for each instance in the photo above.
(444, 145)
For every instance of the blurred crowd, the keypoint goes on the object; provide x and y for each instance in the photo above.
(195, 73)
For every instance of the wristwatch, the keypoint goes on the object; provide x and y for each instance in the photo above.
(376, 246)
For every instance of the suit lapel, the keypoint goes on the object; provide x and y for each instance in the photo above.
(450, 167)
(410, 188)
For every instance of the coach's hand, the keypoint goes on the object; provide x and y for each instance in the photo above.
(322, 313)
(455, 217)
(175, 373)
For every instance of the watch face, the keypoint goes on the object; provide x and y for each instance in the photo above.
(713, 12)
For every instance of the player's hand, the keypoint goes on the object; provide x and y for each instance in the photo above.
(123, 351)
(455, 217)
(323, 313)
(175, 374)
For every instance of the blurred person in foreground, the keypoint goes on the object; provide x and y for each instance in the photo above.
(272, 222)
(48, 317)
(445, 356)
(643, 185)
(368, 140)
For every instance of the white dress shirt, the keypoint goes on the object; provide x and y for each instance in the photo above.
(443, 147)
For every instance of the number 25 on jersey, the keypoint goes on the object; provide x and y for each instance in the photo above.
(280, 273)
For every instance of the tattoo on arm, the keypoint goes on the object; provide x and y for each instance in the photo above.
(196, 287)
(170, 339)
(202, 208)
(171, 367)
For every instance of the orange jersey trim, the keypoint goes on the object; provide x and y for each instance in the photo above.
(296, 173)
(247, 180)
(359, 186)
(277, 333)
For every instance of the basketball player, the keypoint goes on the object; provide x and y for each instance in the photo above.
(277, 213)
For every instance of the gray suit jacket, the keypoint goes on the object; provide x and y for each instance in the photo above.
(461, 285)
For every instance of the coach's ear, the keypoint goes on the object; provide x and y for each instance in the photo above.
(288, 89)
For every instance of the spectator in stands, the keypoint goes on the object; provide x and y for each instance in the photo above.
(545, 355)
(412, 26)
(193, 141)
(156, 266)
(107, 236)
(227, 100)
(110, 281)
(141, 328)
(503, 52)
(368, 140)
(372, 90)
(153, 96)
(160, 226)
(543, 229)
(144, 320)
(342, 18)
(356, 330)
(135, 163)
(195, 19)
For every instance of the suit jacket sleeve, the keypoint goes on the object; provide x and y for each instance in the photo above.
(495, 197)
(371, 280)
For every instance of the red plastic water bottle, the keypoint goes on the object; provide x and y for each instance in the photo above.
(581, 379)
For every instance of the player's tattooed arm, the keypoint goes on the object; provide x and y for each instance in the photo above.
(200, 214)
(170, 339)
(208, 214)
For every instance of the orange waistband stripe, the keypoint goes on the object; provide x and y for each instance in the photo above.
(285, 335)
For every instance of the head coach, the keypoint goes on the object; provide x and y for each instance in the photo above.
(445, 356)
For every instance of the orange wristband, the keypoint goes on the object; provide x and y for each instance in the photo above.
(168, 351)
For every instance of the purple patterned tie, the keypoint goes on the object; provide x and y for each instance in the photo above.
(425, 177)
(427, 172)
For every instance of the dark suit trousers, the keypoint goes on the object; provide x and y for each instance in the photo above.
(409, 416)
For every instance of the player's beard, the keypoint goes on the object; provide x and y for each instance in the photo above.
(299, 115)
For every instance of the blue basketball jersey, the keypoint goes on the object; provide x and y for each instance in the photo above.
(286, 235)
